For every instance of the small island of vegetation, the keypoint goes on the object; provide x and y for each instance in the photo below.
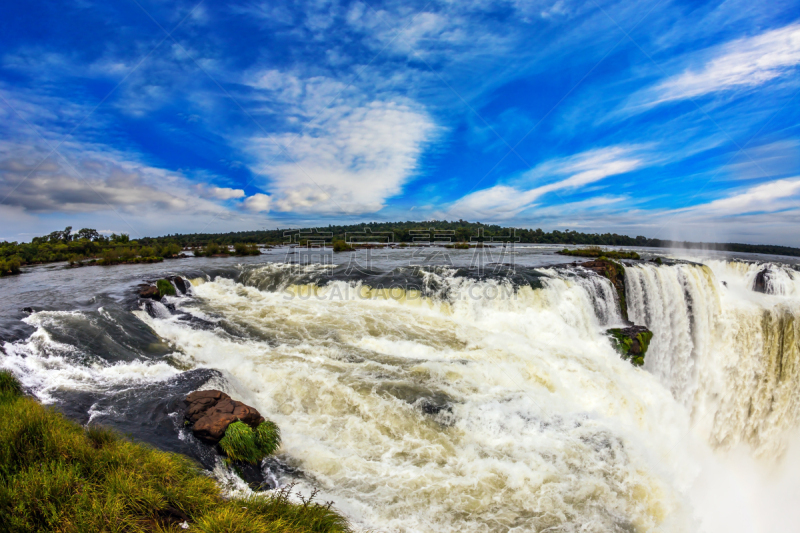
(596, 251)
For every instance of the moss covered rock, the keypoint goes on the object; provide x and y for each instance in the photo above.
(632, 342)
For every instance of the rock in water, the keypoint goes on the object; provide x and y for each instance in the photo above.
(198, 402)
(761, 282)
(615, 273)
(212, 411)
(180, 283)
(632, 342)
(149, 291)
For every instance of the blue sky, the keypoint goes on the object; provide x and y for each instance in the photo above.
(657, 118)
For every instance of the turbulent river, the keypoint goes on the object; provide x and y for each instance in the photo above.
(450, 390)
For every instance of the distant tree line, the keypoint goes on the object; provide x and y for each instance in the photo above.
(462, 231)
(88, 246)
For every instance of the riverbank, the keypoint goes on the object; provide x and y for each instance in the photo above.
(59, 476)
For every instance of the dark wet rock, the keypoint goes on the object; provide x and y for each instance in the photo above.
(28, 310)
(156, 309)
(151, 412)
(181, 284)
(214, 411)
(615, 273)
(632, 342)
(761, 282)
(254, 476)
(148, 291)
(433, 406)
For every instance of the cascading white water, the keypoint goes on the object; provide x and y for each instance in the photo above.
(473, 405)
(679, 304)
(540, 424)
(731, 355)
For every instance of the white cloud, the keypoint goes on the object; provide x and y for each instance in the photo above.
(747, 62)
(765, 198)
(258, 202)
(507, 201)
(352, 160)
(90, 184)
(224, 193)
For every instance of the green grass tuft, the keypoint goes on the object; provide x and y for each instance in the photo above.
(165, 287)
(58, 476)
(268, 437)
(9, 384)
(242, 443)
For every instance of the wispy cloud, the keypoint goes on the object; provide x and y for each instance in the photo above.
(739, 64)
(507, 201)
(765, 198)
(45, 171)
(351, 153)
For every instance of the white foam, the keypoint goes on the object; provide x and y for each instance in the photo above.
(549, 427)
(44, 365)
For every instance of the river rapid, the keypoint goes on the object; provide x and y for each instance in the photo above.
(433, 389)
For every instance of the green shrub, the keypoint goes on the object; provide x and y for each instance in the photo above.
(241, 248)
(168, 250)
(341, 246)
(110, 257)
(10, 266)
(57, 476)
(596, 251)
(242, 443)
(165, 287)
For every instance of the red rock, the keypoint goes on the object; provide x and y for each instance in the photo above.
(211, 412)
(199, 402)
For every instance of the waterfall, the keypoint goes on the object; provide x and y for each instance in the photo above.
(730, 355)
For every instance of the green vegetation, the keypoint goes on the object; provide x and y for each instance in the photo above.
(86, 247)
(9, 384)
(624, 343)
(9, 267)
(242, 443)
(596, 251)
(462, 231)
(458, 246)
(165, 288)
(240, 248)
(58, 476)
(341, 246)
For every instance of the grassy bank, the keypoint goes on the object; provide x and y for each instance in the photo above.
(58, 476)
